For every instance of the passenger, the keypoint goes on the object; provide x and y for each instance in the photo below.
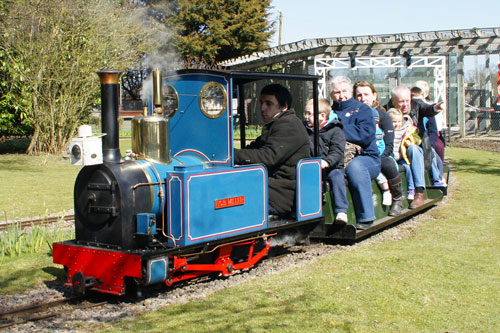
(365, 92)
(440, 144)
(436, 171)
(331, 150)
(430, 126)
(401, 100)
(416, 109)
(282, 143)
(405, 136)
(381, 180)
(359, 128)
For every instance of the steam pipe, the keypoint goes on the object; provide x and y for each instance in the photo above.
(110, 101)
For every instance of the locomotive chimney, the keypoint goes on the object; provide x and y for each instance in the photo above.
(157, 93)
(110, 101)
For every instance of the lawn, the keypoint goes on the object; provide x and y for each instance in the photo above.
(443, 277)
(440, 277)
(35, 185)
(38, 185)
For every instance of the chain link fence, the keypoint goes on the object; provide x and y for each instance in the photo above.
(482, 113)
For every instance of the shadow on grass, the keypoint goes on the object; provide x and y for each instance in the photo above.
(24, 277)
(12, 146)
(472, 166)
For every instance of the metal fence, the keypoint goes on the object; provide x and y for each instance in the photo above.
(482, 113)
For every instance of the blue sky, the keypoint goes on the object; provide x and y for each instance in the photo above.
(334, 18)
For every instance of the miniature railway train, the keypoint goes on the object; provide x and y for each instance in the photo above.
(180, 208)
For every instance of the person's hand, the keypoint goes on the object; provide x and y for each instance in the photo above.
(324, 164)
(439, 107)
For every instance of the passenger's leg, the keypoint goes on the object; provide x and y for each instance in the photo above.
(409, 176)
(440, 146)
(336, 177)
(391, 171)
(435, 175)
(360, 172)
(416, 156)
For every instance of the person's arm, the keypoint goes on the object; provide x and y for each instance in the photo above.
(336, 147)
(362, 130)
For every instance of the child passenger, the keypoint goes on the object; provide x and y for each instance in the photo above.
(405, 135)
(331, 150)
(381, 179)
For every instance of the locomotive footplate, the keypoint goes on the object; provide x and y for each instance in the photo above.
(96, 269)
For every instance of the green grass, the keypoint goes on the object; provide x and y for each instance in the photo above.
(35, 185)
(16, 241)
(251, 132)
(28, 271)
(441, 277)
(38, 185)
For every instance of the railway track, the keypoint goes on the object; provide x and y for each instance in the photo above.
(42, 311)
(24, 223)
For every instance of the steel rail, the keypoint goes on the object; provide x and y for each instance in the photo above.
(25, 223)
(42, 311)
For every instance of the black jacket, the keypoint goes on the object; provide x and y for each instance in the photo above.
(281, 145)
(419, 110)
(331, 143)
(386, 125)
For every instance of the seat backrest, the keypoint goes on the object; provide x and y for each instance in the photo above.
(309, 196)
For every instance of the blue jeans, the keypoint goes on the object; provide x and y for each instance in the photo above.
(437, 167)
(416, 156)
(336, 177)
(409, 176)
(360, 173)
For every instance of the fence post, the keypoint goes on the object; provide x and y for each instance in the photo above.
(461, 90)
(488, 94)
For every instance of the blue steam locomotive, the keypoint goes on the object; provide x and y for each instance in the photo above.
(178, 207)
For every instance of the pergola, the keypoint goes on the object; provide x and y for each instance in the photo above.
(442, 51)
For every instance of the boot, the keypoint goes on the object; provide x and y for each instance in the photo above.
(396, 187)
(418, 201)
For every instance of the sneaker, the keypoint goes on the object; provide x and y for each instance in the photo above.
(341, 217)
(386, 198)
(364, 225)
(411, 194)
(440, 183)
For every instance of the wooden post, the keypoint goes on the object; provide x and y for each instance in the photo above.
(487, 87)
(461, 90)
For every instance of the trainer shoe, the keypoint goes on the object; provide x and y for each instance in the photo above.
(364, 225)
(386, 198)
(411, 194)
(440, 183)
(341, 217)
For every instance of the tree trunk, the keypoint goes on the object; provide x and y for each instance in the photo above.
(34, 139)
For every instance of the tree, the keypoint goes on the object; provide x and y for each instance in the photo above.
(213, 30)
(56, 48)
